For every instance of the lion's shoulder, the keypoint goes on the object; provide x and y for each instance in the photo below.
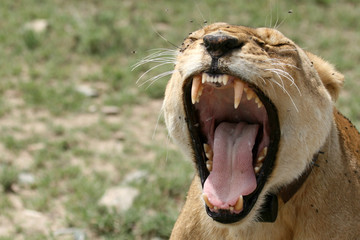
(349, 136)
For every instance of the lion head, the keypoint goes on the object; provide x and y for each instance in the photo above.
(250, 108)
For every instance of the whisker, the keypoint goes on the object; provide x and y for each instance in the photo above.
(276, 61)
(287, 76)
(287, 93)
(284, 64)
(158, 56)
(259, 76)
(157, 123)
(282, 82)
(277, 15)
(157, 77)
(164, 37)
(199, 11)
(289, 12)
(163, 60)
(161, 53)
(152, 68)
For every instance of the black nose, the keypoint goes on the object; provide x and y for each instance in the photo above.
(218, 44)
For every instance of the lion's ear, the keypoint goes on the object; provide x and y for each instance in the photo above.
(332, 79)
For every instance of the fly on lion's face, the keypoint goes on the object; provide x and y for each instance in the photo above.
(252, 110)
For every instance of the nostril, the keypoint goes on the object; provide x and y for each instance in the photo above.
(219, 44)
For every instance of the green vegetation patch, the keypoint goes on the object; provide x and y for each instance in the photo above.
(74, 150)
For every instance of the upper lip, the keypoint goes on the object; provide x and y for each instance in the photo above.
(192, 93)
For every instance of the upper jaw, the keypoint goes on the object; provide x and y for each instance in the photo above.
(243, 95)
(222, 81)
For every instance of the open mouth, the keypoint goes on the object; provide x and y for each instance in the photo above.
(235, 134)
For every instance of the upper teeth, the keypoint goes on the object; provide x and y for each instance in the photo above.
(238, 85)
(215, 78)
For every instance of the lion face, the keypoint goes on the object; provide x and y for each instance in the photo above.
(250, 108)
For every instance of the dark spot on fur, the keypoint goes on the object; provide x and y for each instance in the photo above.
(316, 210)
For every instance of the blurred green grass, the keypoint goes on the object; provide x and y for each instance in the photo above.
(59, 135)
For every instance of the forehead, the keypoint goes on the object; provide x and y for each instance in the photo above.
(266, 34)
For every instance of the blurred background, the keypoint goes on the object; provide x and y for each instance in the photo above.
(84, 153)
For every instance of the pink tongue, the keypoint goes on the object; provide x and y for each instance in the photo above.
(232, 174)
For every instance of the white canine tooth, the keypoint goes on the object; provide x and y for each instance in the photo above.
(250, 94)
(209, 165)
(209, 155)
(196, 85)
(231, 209)
(260, 159)
(258, 167)
(208, 151)
(220, 79)
(207, 202)
(197, 99)
(262, 154)
(204, 77)
(206, 147)
(199, 93)
(238, 91)
(265, 151)
(239, 204)
(225, 79)
(259, 103)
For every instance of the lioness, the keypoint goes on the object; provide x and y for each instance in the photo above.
(274, 158)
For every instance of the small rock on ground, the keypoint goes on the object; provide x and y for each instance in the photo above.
(134, 176)
(120, 198)
(26, 178)
(78, 234)
(110, 110)
(87, 91)
(38, 25)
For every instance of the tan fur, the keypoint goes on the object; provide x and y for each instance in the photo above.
(327, 206)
